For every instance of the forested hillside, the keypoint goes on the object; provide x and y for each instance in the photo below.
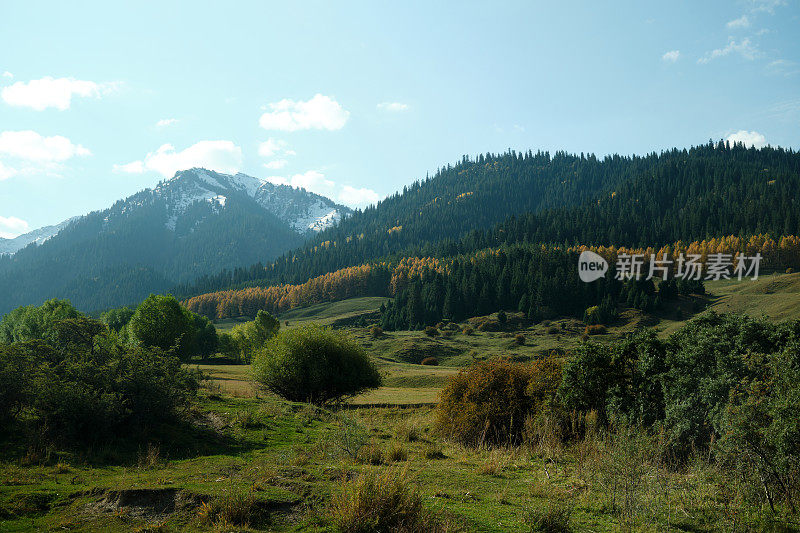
(680, 195)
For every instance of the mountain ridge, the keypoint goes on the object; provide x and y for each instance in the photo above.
(199, 221)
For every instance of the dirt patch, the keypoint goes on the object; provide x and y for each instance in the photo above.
(144, 503)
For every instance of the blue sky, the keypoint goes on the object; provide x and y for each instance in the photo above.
(354, 100)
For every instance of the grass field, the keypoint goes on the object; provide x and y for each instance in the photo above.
(397, 354)
(275, 464)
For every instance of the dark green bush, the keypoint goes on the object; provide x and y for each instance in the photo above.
(161, 322)
(84, 387)
(315, 364)
(429, 361)
(431, 331)
(761, 430)
(32, 322)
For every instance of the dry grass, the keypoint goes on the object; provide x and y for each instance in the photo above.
(383, 501)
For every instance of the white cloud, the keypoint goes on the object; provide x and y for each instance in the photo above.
(52, 92)
(272, 147)
(748, 138)
(767, 6)
(741, 22)
(319, 113)
(6, 171)
(395, 107)
(671, 56)
(11, 227)
(357, 197)
(783, 67)
(744, 48)
(134, 167)
(29, 146)
(7, 74)
(164, 122)
(277, 180)
(316, 182)
(312, 181)
(28, 152)
(276, 164)
(222, 156)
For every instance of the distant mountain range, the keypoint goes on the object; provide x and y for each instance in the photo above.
(198, 222)
(37, 236)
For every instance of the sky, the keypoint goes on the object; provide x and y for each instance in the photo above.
(354, 100)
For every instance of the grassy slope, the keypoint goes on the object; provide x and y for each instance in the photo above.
(397, 353)
(280, 454)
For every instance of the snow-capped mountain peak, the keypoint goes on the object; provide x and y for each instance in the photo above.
(38, 236)
(303, 211)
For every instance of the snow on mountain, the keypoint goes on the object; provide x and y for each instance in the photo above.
(38, 236)
(303, 211)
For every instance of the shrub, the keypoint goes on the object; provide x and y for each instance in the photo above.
(789, 270)
(595, 329)
(90, 388)
(586, 378)
(376, 332)
(396, 453)
(161, 322)
(117, 319)
(502, 317)
(761, 432)
(431, 331)
(250, 337)
(237, 509)
(468, 331)
(553, 518)
(383, 501)
(430, 361)
(519, 338)
(31, 322)
(486, 403)
(553, 330)
(315, 364)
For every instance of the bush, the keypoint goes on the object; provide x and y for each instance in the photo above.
(31, 322)
(468, 331)
(251, 337)
(376, 332)
(549, 519)
(761, 432)
(502, 317)
(586, 379)
(486, 403)
(315, 364)
(789, 270)
(89, 388)
(431, 331)
(519, 338)
(161, 322)
(595, 329)
(382, 502)
(429, 361)
(553, 330)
